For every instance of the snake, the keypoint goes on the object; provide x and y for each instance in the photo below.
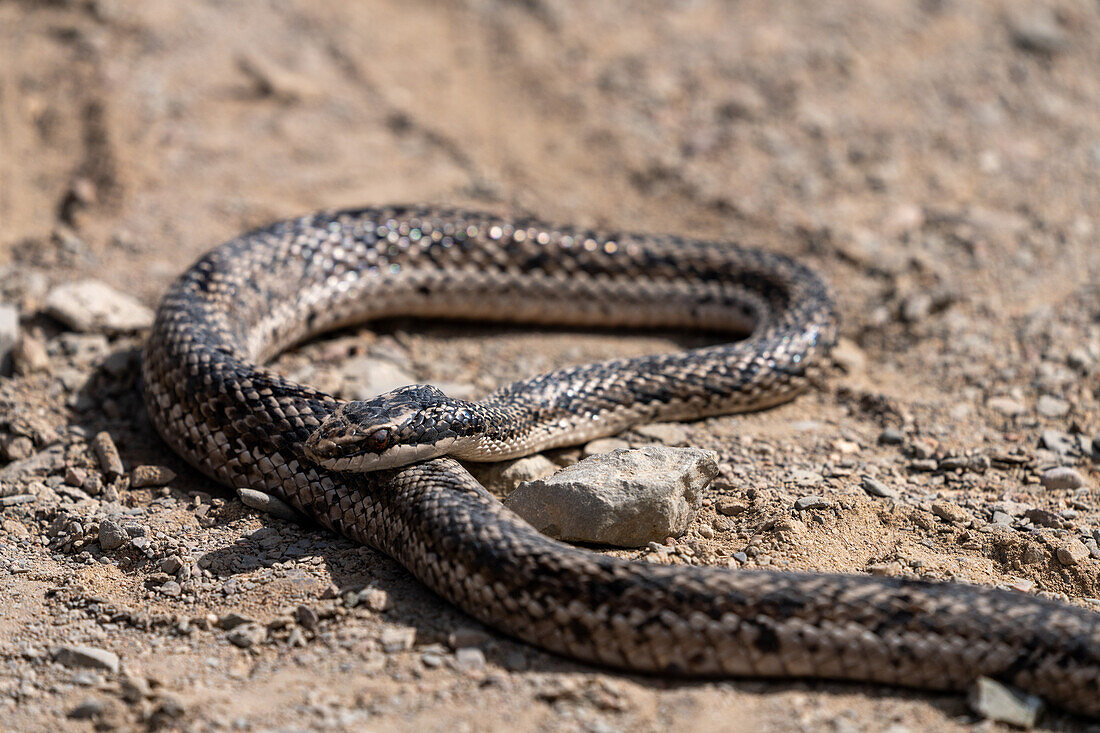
(385, 472)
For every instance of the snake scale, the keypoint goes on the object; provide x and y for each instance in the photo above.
(244, 425)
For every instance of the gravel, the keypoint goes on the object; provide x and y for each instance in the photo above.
(92, 306)
(625, 498)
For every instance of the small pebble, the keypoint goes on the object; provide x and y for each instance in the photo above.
(247, 635)
(1057, 441)
(875, 487)
(375, 599)
(267, 504)
(143, 476)
(9, 335)
(995, 701)
(307, 617)
(469, 659)
(1006, 406)
(730, 506)
(86, 656)
(397, 640)
(29, 356)
(112, 535)
(811, 502)
(75, 476)
(1052, 407)
(1072, 552)
(107, 454)
(92, 306)
(89, 707)
(949, 512)
(1061, 477)
(17, 447)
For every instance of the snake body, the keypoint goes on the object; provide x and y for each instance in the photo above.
(242, 424)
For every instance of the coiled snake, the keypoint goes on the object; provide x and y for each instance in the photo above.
(246, 426)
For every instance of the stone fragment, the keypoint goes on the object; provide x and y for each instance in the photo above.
(143, 476)
(626, 498)
(1006, 406)
(811, 502)
(112, 535)
(730, 506)
(1052, 407)
(397, 639)
(86, 656)
(92, 306)
(29, 356)
(995, 701)
(1061, 477)
(874, 487)
(1072, 552)
(247, 635)
(267, 504)
(949, 512)
(107, 454)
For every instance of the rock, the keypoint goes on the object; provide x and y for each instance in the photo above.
(365, 377)
(89, 707)
(626, 498)
(668, 433)
(16, 447)
(503, 477)
(307, 617)
(9, 335)
(811, 502)
(605, 445)
(231, 620)
(952, 513)
(1052, 407)
(1036, 30)
(92, 306)
(467, 636)
(730, 506)
(107, 454)
(143, 476)
(1057, 441)
(170, 588)
(469, 659)
(916, 307)
(15, 499)
(75, 476)
(1006, 406)
(1061, 477)
(171, 564)
(397, 639)
(29, 356)
(247, 635)
(376, 599)
(875, 487)
(995, 701)
(1072, 552)
(272, 80)
(267, 504)
(112, 535)
(801, 477)
(86, 656)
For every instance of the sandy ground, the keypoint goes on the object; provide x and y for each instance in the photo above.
(937, 161)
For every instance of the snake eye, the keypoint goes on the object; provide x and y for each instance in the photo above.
(379, 439)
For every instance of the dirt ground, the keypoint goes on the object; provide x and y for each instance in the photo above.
(938, 161)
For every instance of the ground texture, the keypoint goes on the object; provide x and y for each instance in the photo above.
(937, 161)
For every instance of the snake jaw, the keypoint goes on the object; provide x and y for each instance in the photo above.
(407, 425)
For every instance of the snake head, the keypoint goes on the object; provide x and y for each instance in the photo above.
(404, 426)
